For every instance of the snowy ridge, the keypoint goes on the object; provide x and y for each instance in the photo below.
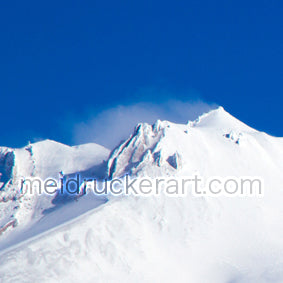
(156, 149)
(164, 239)
(42, 159)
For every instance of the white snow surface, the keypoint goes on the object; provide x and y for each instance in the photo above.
(45, 159)
(156, 238)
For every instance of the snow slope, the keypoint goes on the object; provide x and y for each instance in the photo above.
(170, 239)
(42, 159)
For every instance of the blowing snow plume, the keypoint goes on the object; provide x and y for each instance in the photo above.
(113, 125)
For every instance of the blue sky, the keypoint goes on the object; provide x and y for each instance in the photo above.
(63, 62)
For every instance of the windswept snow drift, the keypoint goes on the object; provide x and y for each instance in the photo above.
(160, 238)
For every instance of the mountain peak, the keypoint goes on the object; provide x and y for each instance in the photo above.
(153, 144)
(220, 119)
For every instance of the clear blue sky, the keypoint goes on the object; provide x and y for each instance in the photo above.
(60, 58)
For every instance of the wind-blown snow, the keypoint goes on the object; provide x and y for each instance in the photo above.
(160, 238)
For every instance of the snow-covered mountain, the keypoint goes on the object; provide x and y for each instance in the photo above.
(155, 238)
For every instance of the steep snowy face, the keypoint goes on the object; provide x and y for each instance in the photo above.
(43, 159)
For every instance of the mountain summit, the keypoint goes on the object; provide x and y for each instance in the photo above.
(211, 145)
